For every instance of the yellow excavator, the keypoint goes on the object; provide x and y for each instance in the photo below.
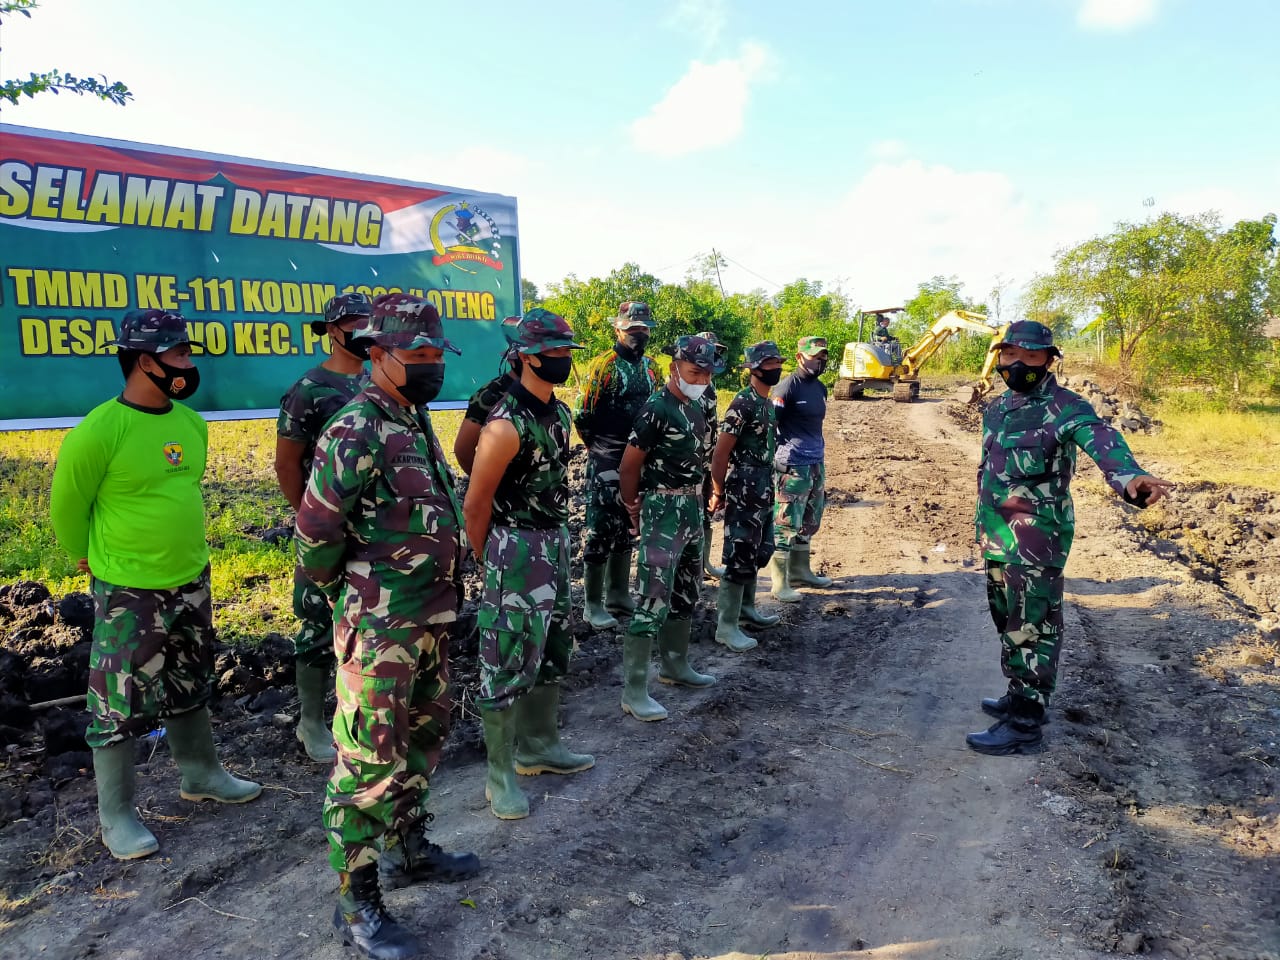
(885, 366)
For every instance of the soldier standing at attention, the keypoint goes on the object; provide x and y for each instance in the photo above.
(379, 533)
(743, 466)
(1025, 522)
(801, 476)
(661, 477)
(711, 414)
(618, 383)
(304, 411)
(127, 505)
(517, 514)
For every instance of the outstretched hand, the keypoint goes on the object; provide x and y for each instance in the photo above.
(1146, 490)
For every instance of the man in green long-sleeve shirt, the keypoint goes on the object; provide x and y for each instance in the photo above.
(127, 506)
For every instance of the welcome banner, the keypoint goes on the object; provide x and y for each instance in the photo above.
(247, 251)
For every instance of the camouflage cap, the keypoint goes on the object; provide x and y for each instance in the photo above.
(811, 346)
(758, 353)
(153, 331)
(540, 330)
(633, 313)
(722, 350)
(343, 305)
(1030, 335)
(404, 321)
(697, 350)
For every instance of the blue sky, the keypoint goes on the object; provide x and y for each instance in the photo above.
(869, 145)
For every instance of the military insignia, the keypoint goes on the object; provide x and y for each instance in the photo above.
(474, 235)
(173, 453)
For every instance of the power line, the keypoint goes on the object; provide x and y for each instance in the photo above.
(729, 259)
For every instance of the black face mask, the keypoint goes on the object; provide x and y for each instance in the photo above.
(422, 381)
(813, 366)
(553, 369)
(178, 383)
(1022, 377)
(358, 349)
(769, 377)
(635, 341)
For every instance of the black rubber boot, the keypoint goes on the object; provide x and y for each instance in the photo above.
(1018, 733)
(362, 922)
(414, 858)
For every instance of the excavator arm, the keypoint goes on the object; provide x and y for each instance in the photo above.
(985, 379)
(954, 321)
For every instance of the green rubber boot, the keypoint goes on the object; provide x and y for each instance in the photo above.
(673, 648)
(203, 776)
(750, 615)
(501, 789)
(122, 831)
(729, 608)
(781, 589)
(635, 680)
(708, 568)
(593, 597)
(617, 597)
(798, 569)
(538, 746)
(313, 733)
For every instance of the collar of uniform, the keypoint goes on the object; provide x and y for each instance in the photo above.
(538, 406)
(626, 353)
(389, 404)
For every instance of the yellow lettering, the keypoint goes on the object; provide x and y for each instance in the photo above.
(488, 309)
(46, 192)
(35, 337)
(58, 337)
(15, 197)
(145, 285)
(21, 277)
(369, 225)
(246, 206)
(250, 291)
(209, 196)
(182, 208)
(81, 337)
(317, 227)
(343, 228)
(144, 201)
(310, 338)
(104, 332)
(51, 288)
(70, 206)
(281, 344)
(104, 202)
(272, 224)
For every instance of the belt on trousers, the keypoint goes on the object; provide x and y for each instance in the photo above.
(675, 492)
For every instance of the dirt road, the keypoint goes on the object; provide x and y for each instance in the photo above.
(818, 802)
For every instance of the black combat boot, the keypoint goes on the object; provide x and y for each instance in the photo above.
(998, 707)
(1019, 732)
(412, 858)
(362, 922)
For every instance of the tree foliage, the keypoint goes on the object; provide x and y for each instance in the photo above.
(55, 81)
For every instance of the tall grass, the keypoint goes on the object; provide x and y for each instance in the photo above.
(1236, 448)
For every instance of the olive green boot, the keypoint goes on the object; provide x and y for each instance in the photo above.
(501, 789)
(750, 615)
(709, 569)
(538, 746)
(729, 609)
(203, 776)
(673, 648)
(781, 589)
(122, 831)
(617, 597)
(313, 733)
(593, 597)
(798, 569)
(635, 680)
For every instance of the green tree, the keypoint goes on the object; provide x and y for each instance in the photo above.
(962, 352)
(529, 294)
(55, 81)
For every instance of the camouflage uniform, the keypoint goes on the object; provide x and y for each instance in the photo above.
(748, 511)
(801, 480)
(379, 533)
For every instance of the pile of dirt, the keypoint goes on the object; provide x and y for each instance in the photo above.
(1114, 409)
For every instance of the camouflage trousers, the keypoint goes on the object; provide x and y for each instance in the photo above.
(313, 643)
(669, 562)
(1026, 607)
(389, 729)
(799, 498)
(524, 613)
(748, 522)
(608, 527)
(151, 657)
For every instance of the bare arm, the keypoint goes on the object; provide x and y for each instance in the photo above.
(720, 467)
(629, 482)
(498, 445)
(464, 445)
(293, 482)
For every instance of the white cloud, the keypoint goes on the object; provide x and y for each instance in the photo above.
(887, 150)
(705, 108)
(705, 20)
(1115, 14)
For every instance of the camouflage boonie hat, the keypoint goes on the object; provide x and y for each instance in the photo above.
(697, 350)
(404, 321)
(722, 351)
(541, 330)
(811, 346)
(758, 353)
(153, 331)
(1029, 335)
(632, 313)
(343, 305)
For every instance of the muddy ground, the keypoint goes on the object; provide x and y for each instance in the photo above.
(818, 802)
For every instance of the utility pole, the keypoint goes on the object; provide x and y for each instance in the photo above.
(715, 258)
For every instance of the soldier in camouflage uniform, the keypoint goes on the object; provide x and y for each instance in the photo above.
(800, 481)
(711, 413)
(378, 532)
(1025, 522)
(743, 466)
(304, 410)
(661, 484)
(517, 514)
(618, 383)
(483, 401)
(127, 506)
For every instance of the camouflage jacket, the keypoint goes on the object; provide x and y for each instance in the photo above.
(711, 415)
(380, 522)
(311, 403)
(534, 492)
(615, 390)
(671, 434)
(752, 419)
(1029, 442)
(487, 397)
